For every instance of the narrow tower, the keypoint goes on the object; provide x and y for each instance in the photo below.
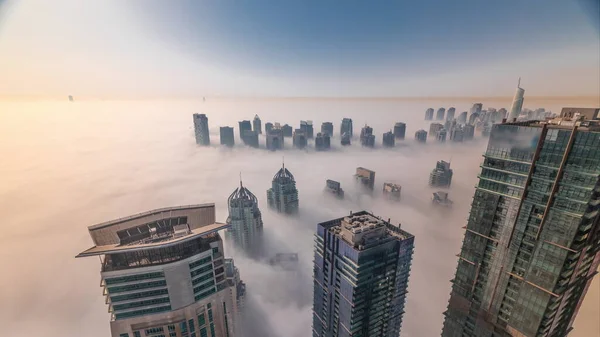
(517, 104)
(245, 220)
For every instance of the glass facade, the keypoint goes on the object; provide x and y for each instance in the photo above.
(530, 247)
(360, 291)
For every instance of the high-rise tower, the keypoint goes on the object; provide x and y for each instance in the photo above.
(346, 127)
(245, 220)
(517, 104)
(283, 194)
(201, 129)
(163, 271)
(400, 130)
(361, 270)
(532, 240)
(257, 125)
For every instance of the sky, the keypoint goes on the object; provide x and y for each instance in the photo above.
(130, 49)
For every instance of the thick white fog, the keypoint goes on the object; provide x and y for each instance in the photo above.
(68, 166)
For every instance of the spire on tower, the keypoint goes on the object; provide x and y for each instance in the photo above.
(519, 83)
(241, 179)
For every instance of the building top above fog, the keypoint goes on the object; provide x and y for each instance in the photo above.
(583, 118)
(283, 174)
(153, 229)
(363, 230)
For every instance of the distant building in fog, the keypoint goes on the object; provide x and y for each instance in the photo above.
(245, 126)
(327, 129)
(434, 128)
(245, 220)
(468, 132)
(346, 127)
(366, 136)
(441, 136)
(287, 130)
(462, 118)
(473, 118)
(440, 198)
(429, 114)
(450, 114)
(322, 142)
(392, 191)
(399, 130)
(335, 188)
(457, 134)
(275, 139)
(257, 125)
(346, 139)
(517, 104)
(441, 175)
(440, 114)
(285, 261)
(226, 136)
(283, 194)
(421, 136)
(365, 176)
(299, 140)
(307, 127)
(250, 138)
(388, 139)
(476, 109)
(268, 127)
(201, 129)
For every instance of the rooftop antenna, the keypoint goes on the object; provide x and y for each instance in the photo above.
(241, 179)
(283, 161)
(519, 83)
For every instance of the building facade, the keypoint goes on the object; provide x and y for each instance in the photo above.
(275, 139)
(257, 125)
(201, 129)
(429, 114)
(245, 125)
(441, 175)
(283, 194)
(299, 140)
(245, 221)
(440, 114)
(367, 138)
(389, 140)
(366, 177)
(307, 128)
(532, 240)
(450, 114)
(517, 104)
(322, 142)
(250, 138)
(226, 136)
(421, 136)
(400, 130)
(361, 271)
(327, 129)
(347, 127)
(163, 274)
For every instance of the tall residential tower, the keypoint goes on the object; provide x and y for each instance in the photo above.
(283, 194)
(517, 104)
(245, 220)
(532, 240)
(201, 129)
(361, 270)
(162, 272)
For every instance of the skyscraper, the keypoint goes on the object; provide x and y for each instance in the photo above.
(250, 138)
(275, 139)
(441, 175)
(201, 129)
(421, 136)
(327, 129)
(268, 127)
(366, 177)
(322, 142)
(450, 114)
(440, 114)
(226, 136)
(400, 130)
(162, 271)
(441, 135)
(517, 103)
(346, 127)
(299, 140)
(283, 194)
(287, 130)
(245, 126)
(388, 139)
(307, 127)
(367, 138)
(429, 114)
(245, 221)
(462, 118)
(434, 128)
(361, 271)
(532, 240)
(257, 125)
(476, 108)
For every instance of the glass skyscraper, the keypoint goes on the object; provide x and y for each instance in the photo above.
(283, 194)
(201, 129)
(361, 269)
(245, 220)
(531, 246)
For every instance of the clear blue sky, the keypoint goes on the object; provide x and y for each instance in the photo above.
(300, 48)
